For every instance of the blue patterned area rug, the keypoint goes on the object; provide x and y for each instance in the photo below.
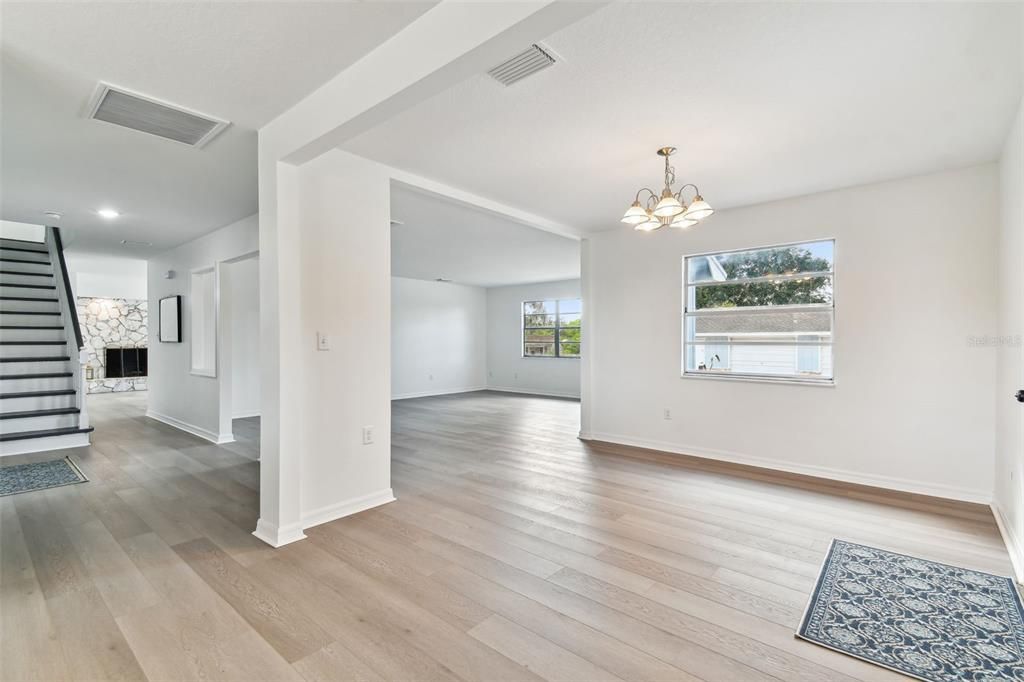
(925, 619)
(22, 478)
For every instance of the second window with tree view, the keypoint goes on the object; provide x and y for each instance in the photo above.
(551, 329)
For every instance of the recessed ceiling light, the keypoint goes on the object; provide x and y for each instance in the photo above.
(396, 221)
(108, 213)
(53, 214)
(442, 279)
(129, 243)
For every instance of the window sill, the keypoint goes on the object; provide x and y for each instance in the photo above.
(549, 357)
(791, 381)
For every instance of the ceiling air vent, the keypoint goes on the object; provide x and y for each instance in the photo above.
(139, 112)
(526, 63)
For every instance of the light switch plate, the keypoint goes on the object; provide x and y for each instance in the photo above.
(322, 342)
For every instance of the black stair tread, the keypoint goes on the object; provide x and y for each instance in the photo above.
(38, 394)
(48, 358)
(28, 326)
(25, 274)
(34, 343)
(4, 247)
(18, 285)
(26, 262)
(22, 435)
(42, 375)
(39, 413)
(28, 312)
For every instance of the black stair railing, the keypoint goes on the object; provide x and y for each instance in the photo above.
(67, 287)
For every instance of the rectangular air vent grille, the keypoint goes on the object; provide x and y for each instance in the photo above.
(526, 63)
(139, 112)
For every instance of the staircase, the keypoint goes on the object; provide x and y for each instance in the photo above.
(42, 401)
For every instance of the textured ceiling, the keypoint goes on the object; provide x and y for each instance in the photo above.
(242, 61)
(441, 238)
(764, 101)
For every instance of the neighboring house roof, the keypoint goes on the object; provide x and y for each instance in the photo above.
(782, 323)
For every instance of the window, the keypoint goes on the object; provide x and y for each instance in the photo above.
(760, 313)
(551, 329)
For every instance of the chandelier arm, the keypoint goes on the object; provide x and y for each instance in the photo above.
(689, 184)
(642, 190)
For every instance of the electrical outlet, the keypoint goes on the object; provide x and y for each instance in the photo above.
(667, 414)
(367, 435)
(430, 377)
(322, 342)
(515, 375)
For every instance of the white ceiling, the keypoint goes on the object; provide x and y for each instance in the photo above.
(444, 239)
(242, 61)
(764, 100)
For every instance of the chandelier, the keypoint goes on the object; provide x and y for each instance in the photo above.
(668, 208)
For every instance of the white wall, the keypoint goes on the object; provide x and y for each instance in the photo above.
(106, 276)
(10, 229)
(438, 338)
(177, 396)
(345, 255)
(241, 305)
(507, 369)
(912, 407)
(1009, 466)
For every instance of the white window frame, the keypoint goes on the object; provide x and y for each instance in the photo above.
(796, 378)
(556, 328)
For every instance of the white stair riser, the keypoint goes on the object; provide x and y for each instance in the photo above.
(50, 421)
(22, 243)
(31, 256)
(28, 320)
(28, 351)
(20, 447)
(35, 367)
(32, 306)
(23, 292)
(48, 402)
(22, 266)
(9, 278)
(38, 384)
(31, 334)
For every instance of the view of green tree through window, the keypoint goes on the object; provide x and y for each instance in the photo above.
(551, 329)
(762, 313)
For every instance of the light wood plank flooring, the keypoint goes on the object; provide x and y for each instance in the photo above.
(514, 552)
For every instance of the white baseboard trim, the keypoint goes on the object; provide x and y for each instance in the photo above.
(1013, 545)
(30, 445)
(205, 434)
(347, 508)
(246, 414)
(842, 475)
(278, 537)
(528, 391)
(427, 394)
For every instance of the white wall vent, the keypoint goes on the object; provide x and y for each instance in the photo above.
(528, 62)
(139, 112)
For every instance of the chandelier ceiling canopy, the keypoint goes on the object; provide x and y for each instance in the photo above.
(669, 208)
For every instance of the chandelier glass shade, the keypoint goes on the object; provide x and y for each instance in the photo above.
(669, 208)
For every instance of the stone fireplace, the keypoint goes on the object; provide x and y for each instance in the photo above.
(114, 329)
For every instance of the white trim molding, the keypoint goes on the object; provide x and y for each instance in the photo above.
(246, 414)
(842, 475)
(278, 537)
(1013, 545)
(346, 508)
(205, 434)
(526, 391)
(427, 394)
